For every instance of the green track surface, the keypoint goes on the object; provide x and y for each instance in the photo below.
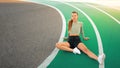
(111, 10)
(109, 31)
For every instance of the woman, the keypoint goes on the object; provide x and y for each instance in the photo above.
(74, 43)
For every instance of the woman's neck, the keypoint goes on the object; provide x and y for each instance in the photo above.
(75, 21)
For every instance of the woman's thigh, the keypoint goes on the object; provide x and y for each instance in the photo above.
(63, 44)
(82, 47)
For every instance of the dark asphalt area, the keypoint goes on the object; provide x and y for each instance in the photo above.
(28, 33)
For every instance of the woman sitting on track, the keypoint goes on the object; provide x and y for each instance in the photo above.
(74, 43)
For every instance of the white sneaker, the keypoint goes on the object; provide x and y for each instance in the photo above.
(76, 51)
(101, 58)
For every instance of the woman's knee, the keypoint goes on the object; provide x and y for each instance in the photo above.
(86, 50)
(57, 45)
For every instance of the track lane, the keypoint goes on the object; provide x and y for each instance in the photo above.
(109, 30)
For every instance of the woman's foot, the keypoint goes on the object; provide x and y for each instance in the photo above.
(101, 58)
(76, 51)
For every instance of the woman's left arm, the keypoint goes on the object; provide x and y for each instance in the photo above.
(83, 35)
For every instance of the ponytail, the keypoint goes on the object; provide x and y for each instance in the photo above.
(70, 24)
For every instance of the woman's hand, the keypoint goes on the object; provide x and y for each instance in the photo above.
(86, 38)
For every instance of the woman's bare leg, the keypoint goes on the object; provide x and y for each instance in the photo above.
(82, 47)
(64, 46)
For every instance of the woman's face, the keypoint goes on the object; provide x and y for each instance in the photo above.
(74, 16)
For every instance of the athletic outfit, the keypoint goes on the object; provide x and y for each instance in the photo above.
(75, 40)
(75, 29)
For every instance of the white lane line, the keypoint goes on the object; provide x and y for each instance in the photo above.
(95, 29)
(49, 59)
(105, 13)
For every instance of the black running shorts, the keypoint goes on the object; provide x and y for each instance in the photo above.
(74, 41)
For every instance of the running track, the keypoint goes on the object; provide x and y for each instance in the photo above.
(108, 29)
(109, 33)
